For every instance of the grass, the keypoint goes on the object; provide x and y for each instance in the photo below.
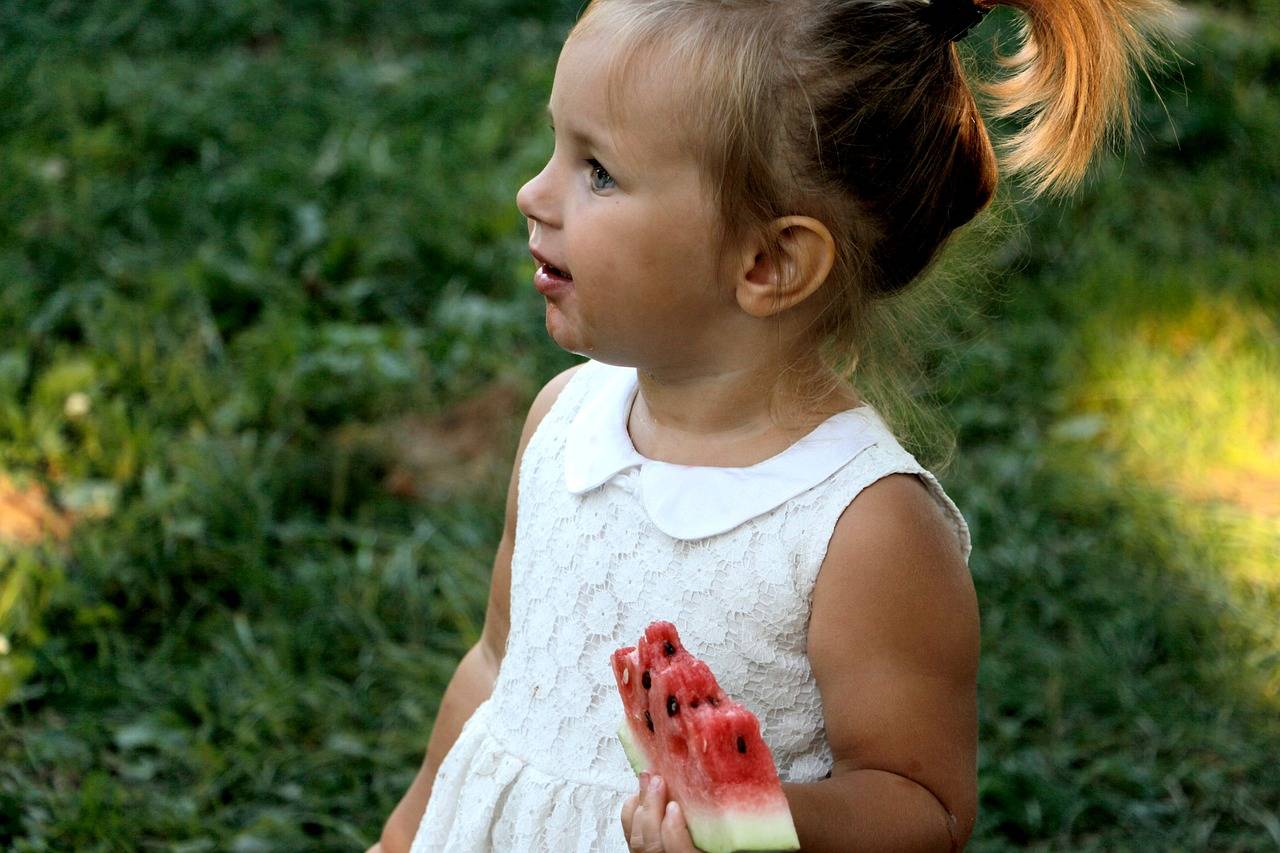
(243, 249)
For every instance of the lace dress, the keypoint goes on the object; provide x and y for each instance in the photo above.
(606, 542)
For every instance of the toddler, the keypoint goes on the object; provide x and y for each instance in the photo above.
(734, 184)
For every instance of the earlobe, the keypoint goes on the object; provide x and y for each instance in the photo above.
(804, 252)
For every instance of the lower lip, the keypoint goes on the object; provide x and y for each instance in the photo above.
(550, 285)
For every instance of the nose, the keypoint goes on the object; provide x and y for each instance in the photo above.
(536, 199)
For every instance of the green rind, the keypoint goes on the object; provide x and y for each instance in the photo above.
(723, 831)
(635, 752)
(727, 832)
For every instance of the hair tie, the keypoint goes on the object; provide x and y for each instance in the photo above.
(953, 19)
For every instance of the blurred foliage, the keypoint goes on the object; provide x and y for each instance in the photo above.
(232, 231)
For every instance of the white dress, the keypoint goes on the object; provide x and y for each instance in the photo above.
(608, 541)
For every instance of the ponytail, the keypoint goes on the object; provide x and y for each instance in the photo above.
(1072, 78)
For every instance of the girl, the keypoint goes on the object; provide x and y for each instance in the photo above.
(734, 184)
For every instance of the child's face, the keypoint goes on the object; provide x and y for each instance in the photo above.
(621, 207)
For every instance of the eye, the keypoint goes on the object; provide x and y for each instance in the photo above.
(600, 177)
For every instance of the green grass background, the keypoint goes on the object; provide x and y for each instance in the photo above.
(247, 231)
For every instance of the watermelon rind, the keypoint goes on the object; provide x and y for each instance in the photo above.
(635, 753)
(732, 799)
(724, 830)
(729, 830)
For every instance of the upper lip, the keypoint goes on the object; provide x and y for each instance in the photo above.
(543, 259)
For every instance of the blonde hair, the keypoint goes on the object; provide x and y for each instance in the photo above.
(859, 113)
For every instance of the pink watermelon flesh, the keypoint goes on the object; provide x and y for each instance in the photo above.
(681, 725)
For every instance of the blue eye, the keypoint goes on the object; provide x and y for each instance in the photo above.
(600, 177)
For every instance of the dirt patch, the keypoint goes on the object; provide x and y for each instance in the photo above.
(1255, 493)
(459, 451)
(27, 516)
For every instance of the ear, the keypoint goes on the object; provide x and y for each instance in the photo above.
(805, 252)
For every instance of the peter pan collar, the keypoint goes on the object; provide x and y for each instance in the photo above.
(693, 502)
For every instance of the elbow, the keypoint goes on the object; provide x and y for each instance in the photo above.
(960, 824)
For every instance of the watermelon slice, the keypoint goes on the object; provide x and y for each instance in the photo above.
(680, 725)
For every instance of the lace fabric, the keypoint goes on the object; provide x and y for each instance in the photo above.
(539, 765)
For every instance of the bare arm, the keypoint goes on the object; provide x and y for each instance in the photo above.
(893, 641)
(472, 682)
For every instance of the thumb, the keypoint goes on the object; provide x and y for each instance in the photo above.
(675, 833)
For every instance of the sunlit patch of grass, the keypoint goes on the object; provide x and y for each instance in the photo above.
(1185, 393)
(1174, 404)
(1201, 398)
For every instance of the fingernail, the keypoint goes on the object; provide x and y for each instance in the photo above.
(655, 783)
(672, 809)
(644, 779)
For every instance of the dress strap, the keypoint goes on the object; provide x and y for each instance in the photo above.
(876, 462)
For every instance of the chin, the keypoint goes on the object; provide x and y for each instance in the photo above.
(561, 331)
(570, 336)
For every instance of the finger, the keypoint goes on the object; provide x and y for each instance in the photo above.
(640, 836)
(628, 813)
(648, 819)
(635, 840)
(675, 833)
(635, 837)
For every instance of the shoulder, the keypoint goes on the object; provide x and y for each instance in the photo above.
(546, 398)
(895, 560)
(897, 513)
(538, 409)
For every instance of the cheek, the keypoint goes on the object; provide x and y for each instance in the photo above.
(688, 262)
(691, 223)
(662, 253)
(672, 237)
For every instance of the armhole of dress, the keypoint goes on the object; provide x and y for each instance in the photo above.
(877, 462)
(949, 507)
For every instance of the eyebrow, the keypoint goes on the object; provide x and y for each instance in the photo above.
(580, 135)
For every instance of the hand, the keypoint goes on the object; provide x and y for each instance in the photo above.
(654, 824)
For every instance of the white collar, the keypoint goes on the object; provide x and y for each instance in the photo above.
(693, 502)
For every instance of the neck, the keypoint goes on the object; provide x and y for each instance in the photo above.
(727, 415)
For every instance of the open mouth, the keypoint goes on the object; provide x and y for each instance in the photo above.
(556, 272)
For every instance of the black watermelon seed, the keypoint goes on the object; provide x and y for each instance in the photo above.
(648, 721)
(714, 703)
(646, 680)
(742, 745)
(673, 707)
(693, 704)
(668, 649)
